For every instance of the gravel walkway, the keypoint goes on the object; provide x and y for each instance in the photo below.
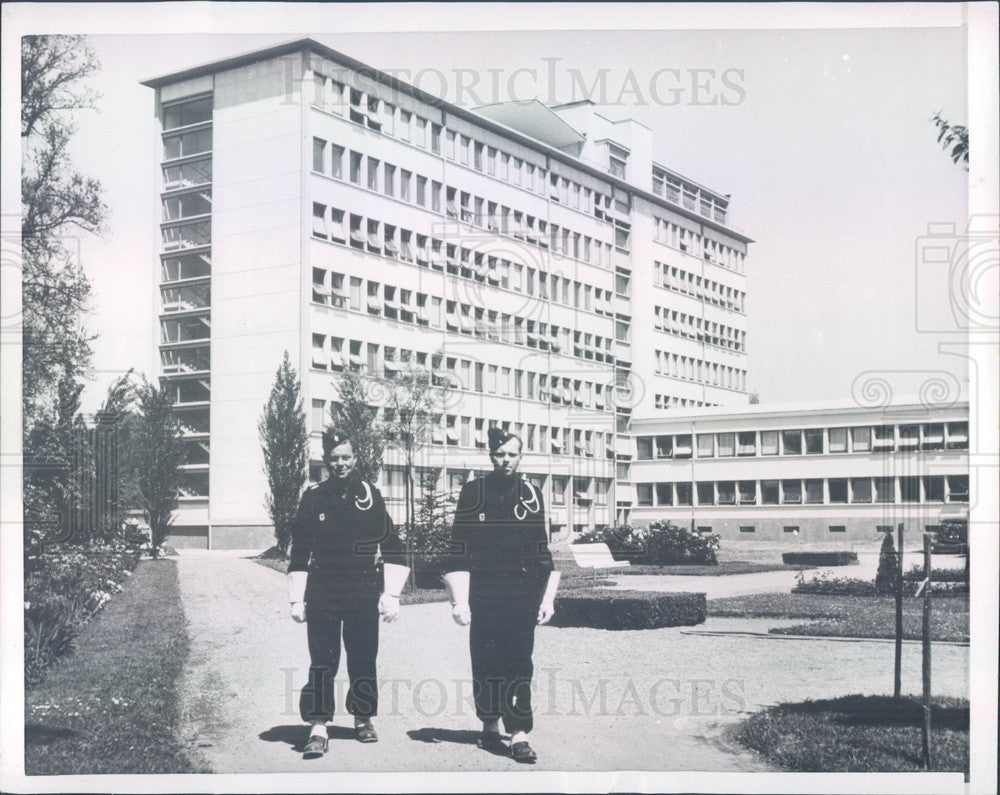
(643, 700)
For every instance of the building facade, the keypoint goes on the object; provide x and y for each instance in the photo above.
(806, 474)
(535, 258)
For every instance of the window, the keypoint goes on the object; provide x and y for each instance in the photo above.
(727, 445)
(747, 528)
(664, 446)
(883, 528)
(747, 493)
(933, 438)
(884, 438)
(814, 491)
(791, 442)
(336, 161)
(861, 439)
(704, 530)
(838, 528)
(909, 437)
(934, 488)
(791, 492)
(837, 440)
(706, 493)
(682, 493)
(664, 494)
(682, 445)
(768, 442)
(186, 144)
(644, 448)
(319, 153)
(958, 436)
(814, 441)
(185, 113)
(727, 492)
(706, 445)
(861, 490)
(355, 174)
(791, 528)
(747, 441)
(838, 490)
(644, 494)
(958, 488)
(559, 483)
(885, 490)
(769, 492)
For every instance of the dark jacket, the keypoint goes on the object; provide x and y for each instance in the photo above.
(341, 535)
(500, 530)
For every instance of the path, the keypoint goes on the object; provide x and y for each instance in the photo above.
(643, 700)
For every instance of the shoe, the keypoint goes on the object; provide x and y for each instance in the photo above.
(522, 752)
(494, 743)
(316, 747)
(365, 733)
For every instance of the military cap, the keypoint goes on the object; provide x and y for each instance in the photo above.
(332, 437)
(497, 437)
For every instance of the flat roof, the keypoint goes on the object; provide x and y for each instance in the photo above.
(304, 44)
(812, 407)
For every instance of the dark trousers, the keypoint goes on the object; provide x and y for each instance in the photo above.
(358, 620)
(501, 641)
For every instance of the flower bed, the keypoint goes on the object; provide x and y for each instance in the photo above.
(825, 584)
(609, 609)
(69, 584)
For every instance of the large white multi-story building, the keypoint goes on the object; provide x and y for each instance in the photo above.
(536, 257)
(806, 473)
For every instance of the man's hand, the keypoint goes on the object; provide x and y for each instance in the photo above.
(545, 612)
(299, 611)
(388, 607)
(461, 613)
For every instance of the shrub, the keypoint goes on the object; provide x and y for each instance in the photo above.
(610, 609)
(659, 544)
(916, 572)
(888, 566)
(826, 585)
(70, 584)
(842, 558)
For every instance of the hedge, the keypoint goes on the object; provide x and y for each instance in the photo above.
(824, 585)
(611, 609)
(842, 558)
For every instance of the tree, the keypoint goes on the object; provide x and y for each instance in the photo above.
(159, 453)
(955, 136)
(430, 535)
(353, 413)
(284, 441)
(56, 200)
(888, 567)
(411, 400)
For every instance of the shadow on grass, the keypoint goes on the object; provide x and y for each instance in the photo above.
(884, 711)
(295, 735)
(36, 734)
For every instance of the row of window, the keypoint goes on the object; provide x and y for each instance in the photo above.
(810, 441)
(689, 368)
(696, 245)
(793, 529)
(672, 401)
(395, 242)
(388, 119)
(688, 195)
(454, 430)
(690, 327)
(702, 288)
(809, 491)
(401, 183)
(337, 354)
(422, 309)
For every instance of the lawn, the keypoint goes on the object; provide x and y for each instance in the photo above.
(850, 616)
(858, 734)
(723, 568)
(112, 705)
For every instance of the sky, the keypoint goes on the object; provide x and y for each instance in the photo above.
(822, 137)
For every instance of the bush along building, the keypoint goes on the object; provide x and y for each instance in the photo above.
(535, 258)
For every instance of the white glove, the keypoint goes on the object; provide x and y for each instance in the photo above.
(388, 607)
(461, 613)
(299, 611)
(545, 612)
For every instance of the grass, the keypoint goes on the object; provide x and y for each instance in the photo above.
(723, 568)
(858, 734)
(112, 705)
(850, 616)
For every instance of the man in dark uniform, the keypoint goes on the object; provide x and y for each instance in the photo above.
(500, 577)
(347, 567)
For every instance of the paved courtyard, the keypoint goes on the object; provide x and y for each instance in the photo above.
(633, 700)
